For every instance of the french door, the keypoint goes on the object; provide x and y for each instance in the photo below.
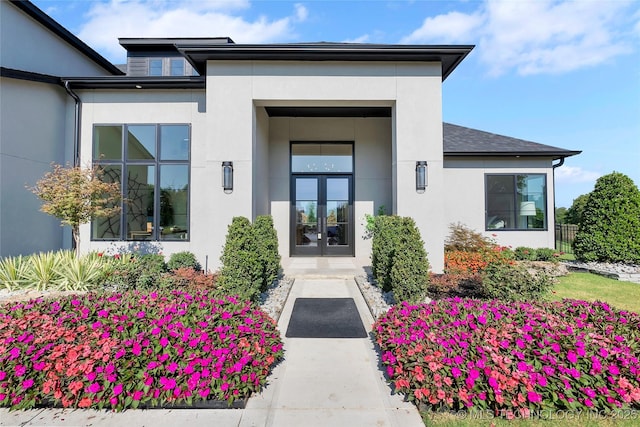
(322, 215)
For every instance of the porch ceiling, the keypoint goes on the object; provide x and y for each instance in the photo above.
(328, 111)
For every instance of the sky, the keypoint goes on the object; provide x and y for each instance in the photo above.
(561, 73)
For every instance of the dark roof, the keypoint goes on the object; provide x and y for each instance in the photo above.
(125, 82)
(448, 55)
(142, 45)
(463, 141)
(46, 21)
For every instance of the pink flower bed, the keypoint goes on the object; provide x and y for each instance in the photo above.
(512, 357)
(130, 349)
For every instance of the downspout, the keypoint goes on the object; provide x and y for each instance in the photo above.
(76, 127)
(553, 177)
(76, 134)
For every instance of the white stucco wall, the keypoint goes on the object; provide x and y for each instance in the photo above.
(465, 197)
(413, 90)
(28, 46)
(36, 123)
(372, 171)
(208, 222)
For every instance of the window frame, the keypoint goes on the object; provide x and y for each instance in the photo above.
(157, 163)
(180, 61)
(150, 60)
(514, 195)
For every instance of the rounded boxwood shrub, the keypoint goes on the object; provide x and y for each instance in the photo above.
(508, 282)
(183, 259)
(242, 269)
(131, 271)
(410, 270)
(267, 246)
(610, 222)
(383, 249)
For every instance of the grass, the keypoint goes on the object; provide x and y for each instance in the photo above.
(627, 418)
(592, 287)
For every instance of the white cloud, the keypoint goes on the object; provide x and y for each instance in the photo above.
(534, 37)
(362, 39)
(184, 18)
(301, 12)
(454, 27)
(575, 174)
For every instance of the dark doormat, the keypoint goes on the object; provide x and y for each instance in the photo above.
(325, 318)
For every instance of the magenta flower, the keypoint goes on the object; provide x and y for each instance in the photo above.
(173, 366)
(137, 395)
(94, 388)
(3, 375)
(117, 389)
(613, 370)
(20, 370)
(27, 384)
(534, 397)
(455, 372)
(14, 353)
(572, 357)
(164, 341)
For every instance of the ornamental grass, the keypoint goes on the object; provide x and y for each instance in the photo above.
(512, 358)
(132, 349)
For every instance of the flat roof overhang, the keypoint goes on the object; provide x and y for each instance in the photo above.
(132, 83)
(559, 154)
(448, 55)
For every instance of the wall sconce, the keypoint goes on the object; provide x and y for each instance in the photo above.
(421, 176)
(227, 177)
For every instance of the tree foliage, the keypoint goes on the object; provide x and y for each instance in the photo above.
(76, 195)
(610, 227)
(574, 213)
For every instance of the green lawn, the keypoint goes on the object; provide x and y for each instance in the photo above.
(628, 418)
(592, 287)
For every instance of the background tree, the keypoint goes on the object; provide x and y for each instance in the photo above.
(561, 215)
(574, 213)
(610, 226)
(76, 195)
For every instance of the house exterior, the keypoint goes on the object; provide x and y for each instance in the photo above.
(318, 135)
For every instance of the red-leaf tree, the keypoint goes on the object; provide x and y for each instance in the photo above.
(76, 195)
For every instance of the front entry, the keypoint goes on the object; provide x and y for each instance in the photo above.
(322, 215)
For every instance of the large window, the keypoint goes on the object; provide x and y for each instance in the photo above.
(516, 202)
(151, 163)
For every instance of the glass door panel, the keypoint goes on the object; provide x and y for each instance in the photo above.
(322, 215)
(306, 190)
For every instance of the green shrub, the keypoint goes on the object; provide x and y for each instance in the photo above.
(410, 270)
(242, 269)
(184, 259)
(383, 247)
(267, 241)
(547, 254)
(462, 238)
(12, 272)
(523, 253)
(142, 272)
(514, 283)
(79, 274)
(610, 222)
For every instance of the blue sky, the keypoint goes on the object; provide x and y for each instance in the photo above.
(562, 73)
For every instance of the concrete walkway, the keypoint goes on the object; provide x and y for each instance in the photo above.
(324, 382)
(321, 382)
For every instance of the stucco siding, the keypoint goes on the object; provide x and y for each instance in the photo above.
(208, 207)
(464, 197)
(28, 46)
(34, 132)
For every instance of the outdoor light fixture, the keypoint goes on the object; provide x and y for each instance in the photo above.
(421, 176)
(227, 177)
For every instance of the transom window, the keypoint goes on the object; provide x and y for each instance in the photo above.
(151, 162)
(516, 202)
